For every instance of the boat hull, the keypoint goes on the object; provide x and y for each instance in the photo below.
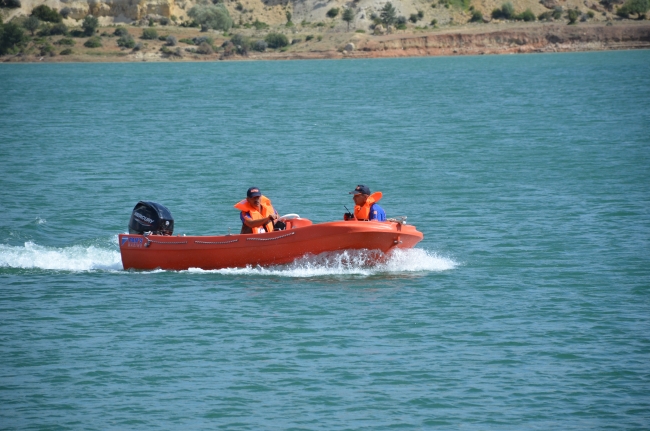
(273, 248)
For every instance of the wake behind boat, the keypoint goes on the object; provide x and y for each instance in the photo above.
(157, 248)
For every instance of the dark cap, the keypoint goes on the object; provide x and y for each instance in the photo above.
(360, 190)
(253, 191)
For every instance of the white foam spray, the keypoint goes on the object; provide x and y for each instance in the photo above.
(73, 258)
(350, 262)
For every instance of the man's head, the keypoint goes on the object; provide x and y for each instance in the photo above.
(253, 196)
(360, 194)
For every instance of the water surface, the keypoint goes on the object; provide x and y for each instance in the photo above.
(525, 306)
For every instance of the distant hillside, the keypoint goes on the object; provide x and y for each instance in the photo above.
(308, 12)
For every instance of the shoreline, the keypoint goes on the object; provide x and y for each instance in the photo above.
(506, 38)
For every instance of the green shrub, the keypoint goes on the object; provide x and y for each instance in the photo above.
(66, 41)
(240, 40)
(319, 37)
(121, 31)
(309, 37)
(413, 18)
(434, 22)
(149, 34)
(545, 16)
(591, 14)
(46, 49)
(44, 30)
(477, 16)
(163, 38)
(205, 49)
(65, 12)
(164, 21)
(10, 4)
(526, 15)
(90, 25)
(211, 16)
(76, 33)
(507, 11)
(259, 25)
(199, 40)
(557, 12)
(259, 45)
(44, 13)
(169, 52)
(333, 12)
(360, 31)
(126, 41)
(66, 51)
(187, 41)
(138, 46)
(573, 15)
(58, 29)
(171, 40)
(276, 40)
(93, 42)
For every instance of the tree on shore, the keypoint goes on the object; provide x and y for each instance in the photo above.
(90, 25)
(212, 16)
(348, 16)
(31, 24)
(573, 15)
(11, 36)
(637, 7)
(388, 14)
(44, 13)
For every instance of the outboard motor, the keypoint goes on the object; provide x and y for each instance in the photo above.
(151, 217)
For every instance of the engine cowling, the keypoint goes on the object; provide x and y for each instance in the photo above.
(151, 217)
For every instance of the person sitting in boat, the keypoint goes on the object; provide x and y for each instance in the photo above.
(257, 214)
(365, 205)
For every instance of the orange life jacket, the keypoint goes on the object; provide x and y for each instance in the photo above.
(363, 212)
(265, 211)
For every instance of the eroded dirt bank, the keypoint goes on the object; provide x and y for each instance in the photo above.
(541, 38)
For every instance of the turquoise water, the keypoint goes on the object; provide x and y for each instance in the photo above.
(526, 306)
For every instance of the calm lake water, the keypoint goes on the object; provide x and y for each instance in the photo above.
(526, 306)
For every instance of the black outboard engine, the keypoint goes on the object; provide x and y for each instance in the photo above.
(151, 217)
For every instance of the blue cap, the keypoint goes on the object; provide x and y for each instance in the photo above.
(253, 191)
(361, 190)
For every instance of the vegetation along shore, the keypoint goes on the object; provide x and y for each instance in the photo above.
(167, 30)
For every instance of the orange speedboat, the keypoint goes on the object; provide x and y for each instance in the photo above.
(301, 237)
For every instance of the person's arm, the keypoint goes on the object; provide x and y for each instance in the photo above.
(259, 222)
